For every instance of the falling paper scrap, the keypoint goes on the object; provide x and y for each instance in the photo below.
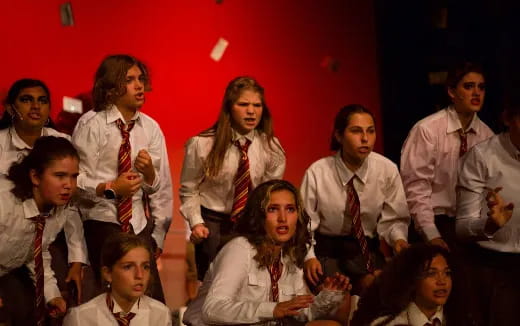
(330, 63)
(67, 19)
(219, 49)
(72, 105)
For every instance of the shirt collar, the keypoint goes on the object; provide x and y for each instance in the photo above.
(30, 209)
(18, 142)
(416, 316)
(510, 148)
(345, 174)
(112, 114)
(134, 309)
(236, 136)
(454, 122)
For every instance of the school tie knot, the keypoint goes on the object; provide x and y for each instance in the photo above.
(125, 129)
(243, 148)
(121, 318)
(463, 142)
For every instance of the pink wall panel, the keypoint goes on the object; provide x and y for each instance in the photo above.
(279, 42)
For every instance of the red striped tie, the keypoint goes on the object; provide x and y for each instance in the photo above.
(39, 223)
(121, 320)
(242, 181)
(275, 271)
(124, 206)
(463, 142)
(353, 208)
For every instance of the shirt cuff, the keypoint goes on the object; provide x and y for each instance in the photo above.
(195, 220)
(310, 254)
(478, 229)
(51, 291)
(154, 187)
(431, 232)
(77, 256)
(398, 234)
(159, 235)
(266, 310)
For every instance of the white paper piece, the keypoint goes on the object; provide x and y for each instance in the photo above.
(72, 105)
(219, 49)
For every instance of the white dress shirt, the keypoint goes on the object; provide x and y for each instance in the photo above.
(17, 232)
(148, 312)
(429, 163)
(98, 139)
(382, 201)
(236, 291)
(411, 316)
(216, 193)
(493, 163)
(14, 149)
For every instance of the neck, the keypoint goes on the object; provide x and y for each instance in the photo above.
(127, 113)
(125, 303)
(42, 206)
(427, 310)
(351, 163)
(29, 136)
(465, 118)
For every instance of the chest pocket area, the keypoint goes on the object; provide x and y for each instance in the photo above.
(287, 291)
(254, 281)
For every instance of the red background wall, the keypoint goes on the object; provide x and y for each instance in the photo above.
(280, 42)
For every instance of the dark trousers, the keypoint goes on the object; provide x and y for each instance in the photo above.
(342, 254)
(17, 293)
(494, 294)
(220, 228)
(97, 232)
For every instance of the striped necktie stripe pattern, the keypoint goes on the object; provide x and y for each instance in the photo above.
(354, 209)
(39, 225)
(242, 181)
(124, 205)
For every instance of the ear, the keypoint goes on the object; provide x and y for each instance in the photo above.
(10, 109)
(451, 93)
(35, 178)
(107, 275)
(339, 137)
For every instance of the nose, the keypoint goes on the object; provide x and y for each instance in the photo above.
(282, 217)
(250, 109)
(35, 104)
(364, 137)
(139, 272)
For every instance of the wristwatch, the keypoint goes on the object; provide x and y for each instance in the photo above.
(109, 193)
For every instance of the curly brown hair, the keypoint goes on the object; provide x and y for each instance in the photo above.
(251, 224)
(110, 79)
(396, 287)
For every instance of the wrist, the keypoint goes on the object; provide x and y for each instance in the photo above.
(109, 192)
